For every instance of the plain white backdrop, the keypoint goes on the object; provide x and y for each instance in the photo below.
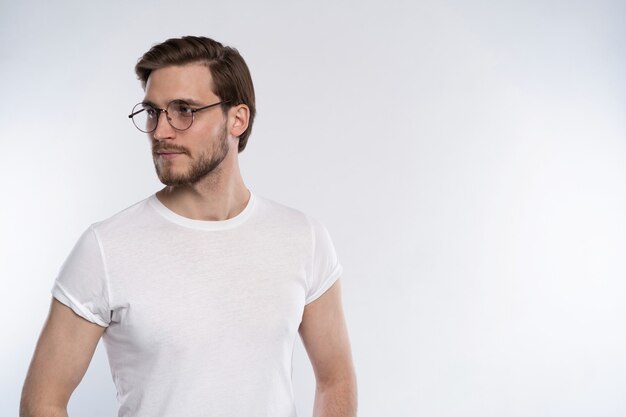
(468, 159)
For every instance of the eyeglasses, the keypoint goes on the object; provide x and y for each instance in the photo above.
(179, 115)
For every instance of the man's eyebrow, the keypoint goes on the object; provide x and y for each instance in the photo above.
(191, 101)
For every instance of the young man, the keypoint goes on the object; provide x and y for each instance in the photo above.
(199, 290)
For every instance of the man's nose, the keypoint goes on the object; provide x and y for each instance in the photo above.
(164, 129)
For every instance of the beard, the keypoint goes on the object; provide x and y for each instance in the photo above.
(199, 167)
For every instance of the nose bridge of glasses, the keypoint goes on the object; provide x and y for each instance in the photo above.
(157, 125)
(161, 111)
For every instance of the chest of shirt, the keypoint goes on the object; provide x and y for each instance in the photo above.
(207, 291)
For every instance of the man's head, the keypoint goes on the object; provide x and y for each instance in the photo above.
(231, 80)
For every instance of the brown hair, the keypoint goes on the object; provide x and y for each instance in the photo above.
(231, 76)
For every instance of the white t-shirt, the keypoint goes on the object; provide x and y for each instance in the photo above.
(201, 317)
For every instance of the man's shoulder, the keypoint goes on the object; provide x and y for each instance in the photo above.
(281, 213)
(128, 219)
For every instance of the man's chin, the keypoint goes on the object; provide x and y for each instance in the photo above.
(178, 181)
(172, 180)
(172, 183)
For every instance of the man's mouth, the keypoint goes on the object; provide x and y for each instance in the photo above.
(167, 154)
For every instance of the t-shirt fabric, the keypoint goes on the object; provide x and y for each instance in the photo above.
(201, 317)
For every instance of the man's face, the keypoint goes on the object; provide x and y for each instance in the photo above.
(185, 157)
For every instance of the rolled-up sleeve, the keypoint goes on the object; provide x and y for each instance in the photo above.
(82, 282)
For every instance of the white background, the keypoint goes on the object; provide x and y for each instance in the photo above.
(468, 159)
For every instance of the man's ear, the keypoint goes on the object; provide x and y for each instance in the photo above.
(238, 116)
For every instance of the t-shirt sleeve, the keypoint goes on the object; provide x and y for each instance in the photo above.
(325, 268)
(82, 281)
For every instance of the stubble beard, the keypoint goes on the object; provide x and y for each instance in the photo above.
(201, 167)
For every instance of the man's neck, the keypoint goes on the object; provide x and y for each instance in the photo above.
(216, 197)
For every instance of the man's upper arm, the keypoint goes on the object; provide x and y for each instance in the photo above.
(63, 353)
(325, 337)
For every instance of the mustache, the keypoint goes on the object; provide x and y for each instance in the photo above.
(156, 149)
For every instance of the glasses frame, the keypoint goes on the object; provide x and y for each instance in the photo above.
(159, 111)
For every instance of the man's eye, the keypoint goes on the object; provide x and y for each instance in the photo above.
(151, 113)
(184, 109)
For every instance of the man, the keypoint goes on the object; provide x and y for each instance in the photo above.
(200, 289)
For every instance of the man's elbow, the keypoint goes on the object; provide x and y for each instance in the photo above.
(34, 410)
(33, 405)
(344, 382)
(336, 398)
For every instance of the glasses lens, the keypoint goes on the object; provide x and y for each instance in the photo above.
(144, 117)
(180, 114)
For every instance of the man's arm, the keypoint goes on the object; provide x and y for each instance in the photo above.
(325, 338)
(62, 355)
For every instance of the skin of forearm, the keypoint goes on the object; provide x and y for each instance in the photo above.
(336, 400)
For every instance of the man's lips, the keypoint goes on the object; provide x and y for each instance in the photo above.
(168, 154)
(165, 151)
